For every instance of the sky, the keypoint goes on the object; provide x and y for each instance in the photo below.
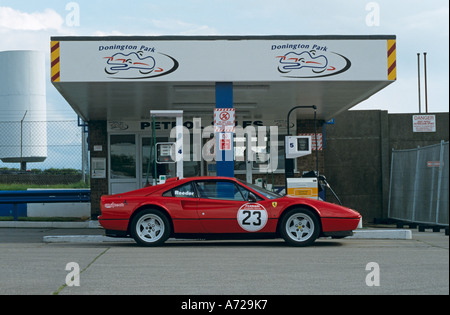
(420, 26)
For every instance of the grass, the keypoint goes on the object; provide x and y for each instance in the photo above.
(41, 219)
(18, 187)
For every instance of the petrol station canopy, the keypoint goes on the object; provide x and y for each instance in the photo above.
(118, 78)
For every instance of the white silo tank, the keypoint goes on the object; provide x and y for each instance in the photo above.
(23, 97)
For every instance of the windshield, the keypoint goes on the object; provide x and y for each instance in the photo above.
(266, 193)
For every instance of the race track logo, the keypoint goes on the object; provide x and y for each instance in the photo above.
(311, 64)
(137, 65)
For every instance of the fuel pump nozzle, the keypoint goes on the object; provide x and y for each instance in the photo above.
(323, 181)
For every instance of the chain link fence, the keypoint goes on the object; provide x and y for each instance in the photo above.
(419, 185)
(43, 153)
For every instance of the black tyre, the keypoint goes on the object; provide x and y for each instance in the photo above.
(150, 228)
(300, 227)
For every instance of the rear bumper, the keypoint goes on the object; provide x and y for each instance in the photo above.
(113, 233)
(113, 225)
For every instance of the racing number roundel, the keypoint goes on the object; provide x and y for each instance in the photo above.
(252, 217)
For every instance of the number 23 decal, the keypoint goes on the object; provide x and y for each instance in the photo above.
(252, 217)
(248, 214)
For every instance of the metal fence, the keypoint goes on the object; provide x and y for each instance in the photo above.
(52, 152)
(419, 185)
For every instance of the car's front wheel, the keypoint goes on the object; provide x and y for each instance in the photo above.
(300, 227)
(150, 228)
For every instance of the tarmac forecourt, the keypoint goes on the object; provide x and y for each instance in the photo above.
(363, 233)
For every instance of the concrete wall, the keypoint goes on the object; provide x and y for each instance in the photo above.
(357, 155)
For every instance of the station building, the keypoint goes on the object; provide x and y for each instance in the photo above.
(115, 84)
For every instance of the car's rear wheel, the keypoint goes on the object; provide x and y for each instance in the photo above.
(150, 228)
(300, 227)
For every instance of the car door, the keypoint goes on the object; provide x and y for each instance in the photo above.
(182, 202)
(219, 205)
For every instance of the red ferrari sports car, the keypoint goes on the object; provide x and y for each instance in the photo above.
(221, 208)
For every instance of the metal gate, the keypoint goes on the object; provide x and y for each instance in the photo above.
(419, 185)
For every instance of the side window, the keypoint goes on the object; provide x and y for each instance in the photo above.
(245, 192)
(185, 191)
(168, 194)
(219, 190)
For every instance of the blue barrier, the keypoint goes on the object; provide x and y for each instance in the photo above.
(7, 210)
(43, 196)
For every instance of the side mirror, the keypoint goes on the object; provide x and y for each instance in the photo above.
(251, 197)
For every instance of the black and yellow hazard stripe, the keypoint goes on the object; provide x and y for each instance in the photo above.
(392, 60)
(55, 62)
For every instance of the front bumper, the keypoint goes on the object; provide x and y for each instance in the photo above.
(340, 224)
(338, 234)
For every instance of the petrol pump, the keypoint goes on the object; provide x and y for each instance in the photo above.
(298, 146)
(168, 152)
(311, 184)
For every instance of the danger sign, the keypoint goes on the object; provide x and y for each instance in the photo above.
(225, 141)
(424, 123)
(224, 120)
